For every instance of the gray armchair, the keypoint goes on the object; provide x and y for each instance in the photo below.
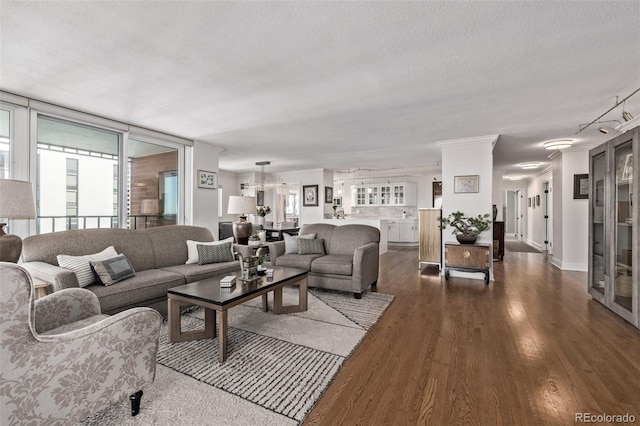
(61, 360)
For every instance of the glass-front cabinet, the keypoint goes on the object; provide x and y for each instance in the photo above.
(385, 195)
(613, 234)
(361, 196)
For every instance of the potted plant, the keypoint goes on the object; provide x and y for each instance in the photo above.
(466, 229)
(254, 240)
(262, 211)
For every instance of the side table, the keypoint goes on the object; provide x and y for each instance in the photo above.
(467, 258)
(40, 288)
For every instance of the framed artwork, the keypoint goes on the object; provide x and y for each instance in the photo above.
(529, 201)
(328, 194)
(259, 198)
(309, 195)
(465, 184)
(538, 200)
(207, 180)
(580, 186)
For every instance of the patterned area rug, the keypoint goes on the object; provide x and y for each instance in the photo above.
(520, 247)
(277, 368)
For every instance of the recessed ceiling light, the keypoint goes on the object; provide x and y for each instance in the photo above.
(530, 165)
(514, 177)
(558, 144)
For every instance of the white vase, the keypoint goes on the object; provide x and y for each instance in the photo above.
(263, 236)
(261, 220)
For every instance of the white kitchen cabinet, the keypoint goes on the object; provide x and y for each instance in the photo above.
(403, 231)
(385, 195)
(394, 232)
(372, 195)
(361, 196)
(408, 232)
(393, 194)
(404, 194)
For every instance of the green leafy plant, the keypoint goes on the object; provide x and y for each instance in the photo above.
(262, 211)
(463, 225)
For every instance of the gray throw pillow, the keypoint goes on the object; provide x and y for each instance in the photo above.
(306, 246)
(214, 253)
(82, 268)
(291, 242)
(113, 270)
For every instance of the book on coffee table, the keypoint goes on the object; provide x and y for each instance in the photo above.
(228, 281)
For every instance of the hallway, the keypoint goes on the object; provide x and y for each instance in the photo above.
(531, 348)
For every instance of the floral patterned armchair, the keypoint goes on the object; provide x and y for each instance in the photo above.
(61, 360)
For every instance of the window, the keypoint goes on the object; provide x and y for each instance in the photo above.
(5, 139)
(75, 175)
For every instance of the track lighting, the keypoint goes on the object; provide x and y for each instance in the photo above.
(626, 116)
(602, 130)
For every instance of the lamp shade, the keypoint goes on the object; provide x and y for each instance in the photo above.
(16, 199)
(241, 205)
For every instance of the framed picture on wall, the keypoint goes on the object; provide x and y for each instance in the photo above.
(309, 195)
(529, 201)
(259, 198)
(328, 194)
(580, 186)
(207, 180)
(465, 184)
(538, 200)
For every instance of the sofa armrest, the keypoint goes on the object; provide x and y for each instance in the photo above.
(64, 307)
(276, 248)
(58, 278)
(365, 266)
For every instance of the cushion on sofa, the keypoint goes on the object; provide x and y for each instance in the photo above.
(200, 272)
(311, 246)
(300, 261)
(291, 242)
(214, 253)
(323, 231)
(113, 270)
(146, 285)
(335, 264)
(192, 248)
(81, 265)
(168, 243)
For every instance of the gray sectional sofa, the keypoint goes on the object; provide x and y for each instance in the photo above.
(350, 262)
(158, 256)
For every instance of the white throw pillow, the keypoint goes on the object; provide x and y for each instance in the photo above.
(291, 242)
(81, 266)
(192, 248)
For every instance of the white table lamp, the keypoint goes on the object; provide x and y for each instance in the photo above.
(16, 202)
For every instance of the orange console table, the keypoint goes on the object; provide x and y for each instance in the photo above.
(467, 258)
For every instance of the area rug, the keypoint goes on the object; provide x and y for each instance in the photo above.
(277, 367)
(520, 247)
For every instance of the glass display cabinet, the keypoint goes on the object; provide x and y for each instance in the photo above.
(613, 230)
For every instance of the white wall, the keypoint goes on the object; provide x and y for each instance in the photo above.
(204, 201)
(473, 156)
(308, 177)
(574, 228)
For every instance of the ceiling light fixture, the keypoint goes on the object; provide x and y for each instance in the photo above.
(530, 165)
(626, 116)
(581, 127)
(558, 144)
(514, 177)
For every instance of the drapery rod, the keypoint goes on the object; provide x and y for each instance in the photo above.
(609, 110)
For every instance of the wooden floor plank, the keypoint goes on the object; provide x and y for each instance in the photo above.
(530, 348)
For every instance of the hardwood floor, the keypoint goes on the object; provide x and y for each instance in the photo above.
(531, 348)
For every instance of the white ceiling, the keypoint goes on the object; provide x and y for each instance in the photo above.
(336, 85)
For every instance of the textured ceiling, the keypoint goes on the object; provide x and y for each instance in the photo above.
(332, 84)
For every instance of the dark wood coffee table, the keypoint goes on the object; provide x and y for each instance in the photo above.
(208, 294)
